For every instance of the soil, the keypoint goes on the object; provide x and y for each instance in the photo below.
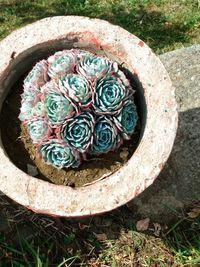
(22, 152)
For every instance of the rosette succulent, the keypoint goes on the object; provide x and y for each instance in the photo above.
(93, 67)
(78, 132)
(37, 76)
(127, 118)
(59, 155)
(30, 99)
(58, 108)
(106, 137)
(77, 87)
(74, 104)
(38, 129)
(110, 94)
(61, 63)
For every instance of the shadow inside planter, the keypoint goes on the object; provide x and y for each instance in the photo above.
(12, 136)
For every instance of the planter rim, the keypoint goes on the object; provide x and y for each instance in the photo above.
(158, 136)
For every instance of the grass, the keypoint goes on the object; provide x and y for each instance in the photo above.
(164, 24)
(111, 240)
(27, 239)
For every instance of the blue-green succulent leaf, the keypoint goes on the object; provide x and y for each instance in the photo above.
(77, 88)
(59, 155)
(94, 67)
(126, 120)
(109, 96)
(78, 132)
(106, 137)
(38, 129)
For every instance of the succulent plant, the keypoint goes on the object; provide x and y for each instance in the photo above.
(76, 103)
(110, 94)
(93, 67)
(37, 76)
(77, 87)
(30, 98)
(127, 118)
(58, 108)
(78, 132)
(38, 129)
(61, 63)
(59, 155)
(106, 137)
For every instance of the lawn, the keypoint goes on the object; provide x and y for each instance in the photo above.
(30, 240)
(164, 24)
(111, 240)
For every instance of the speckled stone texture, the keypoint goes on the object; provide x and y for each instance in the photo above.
(159, 122)
(179, 182)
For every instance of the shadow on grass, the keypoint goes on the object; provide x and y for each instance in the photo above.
(151, 26)
(108, 240)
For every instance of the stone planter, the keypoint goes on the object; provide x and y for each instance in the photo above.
(157, 103)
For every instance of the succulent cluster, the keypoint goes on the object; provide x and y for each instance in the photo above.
(77, 103)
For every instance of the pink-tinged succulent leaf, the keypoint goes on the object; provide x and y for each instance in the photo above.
(106, 137)
(93, 67)
(38, 129)
(78, 132)
(37, 77)
(78, 88)
(59, 154)
(109, 95)
(61, 63)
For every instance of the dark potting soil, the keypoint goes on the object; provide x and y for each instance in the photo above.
(22, 152)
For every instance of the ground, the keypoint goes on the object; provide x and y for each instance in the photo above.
(28, 239)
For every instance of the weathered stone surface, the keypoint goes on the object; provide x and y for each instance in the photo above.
(31, 43)
(179, 182)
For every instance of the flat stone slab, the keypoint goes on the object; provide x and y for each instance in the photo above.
(179, 182)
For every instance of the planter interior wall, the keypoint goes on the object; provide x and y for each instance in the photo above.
(24, 47)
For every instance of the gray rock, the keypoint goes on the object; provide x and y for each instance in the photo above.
(179, 182)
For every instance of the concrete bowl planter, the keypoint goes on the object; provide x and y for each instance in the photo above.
(157, 103)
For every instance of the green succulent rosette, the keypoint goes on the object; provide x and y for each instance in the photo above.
(94, 67)
(25, 111)
(127, 118)
(29, 104)
(78, 132)
(80, 54)
(37, 77)
(38, 129)
(77, 103)
(109, 95)
(61, 63)
(78, 88)
(59, 107)
(106, 137)
(59, 154)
